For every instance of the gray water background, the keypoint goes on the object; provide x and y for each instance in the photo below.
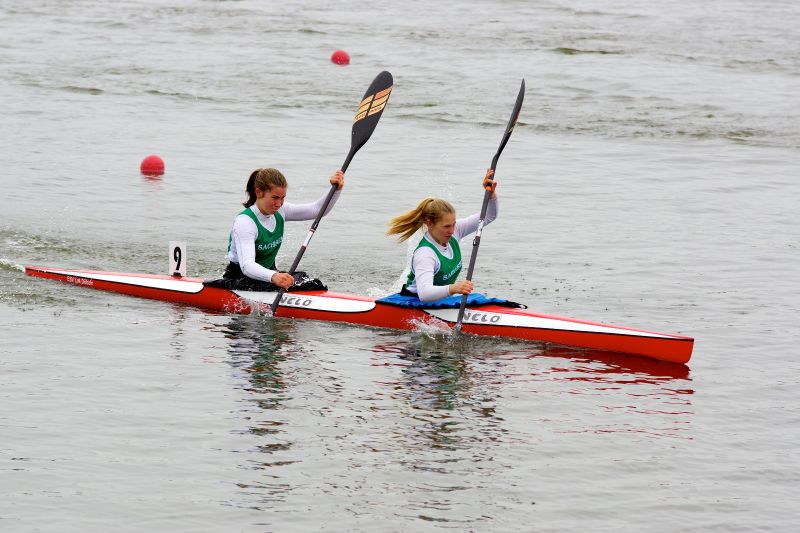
(652, 182)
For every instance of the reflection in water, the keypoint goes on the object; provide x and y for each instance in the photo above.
(438, 383)
(427, 413)
(258, 346)
(437, 373)
(627, 394)
(642, 368)
(624, 393)
(177, 320)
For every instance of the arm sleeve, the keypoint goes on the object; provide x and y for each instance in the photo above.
(425, 266)
(244, 234)
(308, 211)
(465, 226)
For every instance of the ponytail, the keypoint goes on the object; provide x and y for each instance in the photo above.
(250, 189)
(428, 210)
(264, 179)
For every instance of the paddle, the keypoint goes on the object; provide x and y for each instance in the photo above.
(486, 195)
(369, 112)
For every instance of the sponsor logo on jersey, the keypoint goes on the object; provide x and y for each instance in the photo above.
(269, 246)
(454, 271)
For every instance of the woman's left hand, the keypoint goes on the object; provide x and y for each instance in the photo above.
(283, 280)
(460, 287)
(337, 178)
(489, 184)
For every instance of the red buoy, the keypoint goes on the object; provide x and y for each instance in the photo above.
(340, 57)
(152, 165)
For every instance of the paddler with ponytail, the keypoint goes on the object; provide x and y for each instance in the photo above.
(436, 262)
(257, 231)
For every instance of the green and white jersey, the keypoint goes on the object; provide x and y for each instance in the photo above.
(433, 266)
(248, 227)
(267, 243)
(449, 267)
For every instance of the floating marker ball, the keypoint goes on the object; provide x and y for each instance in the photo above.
(152, 165)
(340, 57)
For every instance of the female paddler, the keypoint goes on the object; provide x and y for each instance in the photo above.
(436, 262)
(257, 231)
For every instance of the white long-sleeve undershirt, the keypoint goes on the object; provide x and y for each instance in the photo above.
(425, 262)
(245, 232)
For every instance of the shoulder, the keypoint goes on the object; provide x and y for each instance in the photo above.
(243, 221)
(425, 253)
(246, 213)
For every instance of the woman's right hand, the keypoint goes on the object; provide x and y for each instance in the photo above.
(489, 184)
(337, 178)
(461, 287)
(283, 280)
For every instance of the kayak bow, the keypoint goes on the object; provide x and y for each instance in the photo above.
(490, 320)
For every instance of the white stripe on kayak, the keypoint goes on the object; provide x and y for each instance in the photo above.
(340, 305)
(304, 301)
(177, 285)
(483, 318)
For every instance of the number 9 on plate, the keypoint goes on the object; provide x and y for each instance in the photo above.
(177, 259)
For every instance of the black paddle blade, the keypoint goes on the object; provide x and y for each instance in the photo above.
(369, 112)
(511, 123)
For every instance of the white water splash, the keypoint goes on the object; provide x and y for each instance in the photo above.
(11, 265)
(397, 284)
(259, 309)
(432, 327)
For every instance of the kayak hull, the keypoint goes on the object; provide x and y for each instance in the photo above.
(488, 320)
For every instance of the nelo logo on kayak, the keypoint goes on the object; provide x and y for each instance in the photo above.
(296, 301)
(481, 318)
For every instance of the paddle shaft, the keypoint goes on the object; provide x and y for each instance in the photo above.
(367, 116)
(476, 242)
(311, 231)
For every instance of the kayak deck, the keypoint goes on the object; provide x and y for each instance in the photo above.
(489, 320)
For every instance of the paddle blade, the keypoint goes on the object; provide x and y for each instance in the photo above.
(369, 112)
(511, 123)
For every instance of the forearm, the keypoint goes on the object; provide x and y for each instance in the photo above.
(246, 252)
(492, 210)
(253, 270)
(425, 266)
(309, 211)
(429, 293)
(468, 225)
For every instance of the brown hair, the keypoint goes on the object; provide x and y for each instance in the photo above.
(265, 179)
(428, 210)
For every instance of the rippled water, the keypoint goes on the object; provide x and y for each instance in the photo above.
(651, 182)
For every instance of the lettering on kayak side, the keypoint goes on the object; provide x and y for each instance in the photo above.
(295, 301)
(80, 281)
(481, 318)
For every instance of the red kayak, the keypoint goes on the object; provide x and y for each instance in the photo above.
(490, 320)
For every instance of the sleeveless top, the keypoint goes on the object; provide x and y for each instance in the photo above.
(449, 269)
(267, 242)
